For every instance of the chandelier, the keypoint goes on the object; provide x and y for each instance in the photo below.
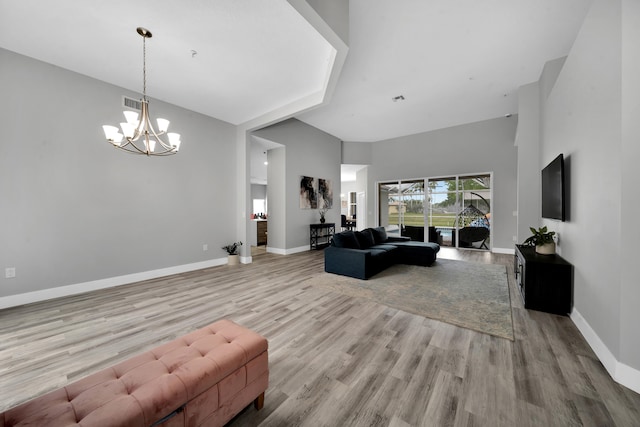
(138, 135)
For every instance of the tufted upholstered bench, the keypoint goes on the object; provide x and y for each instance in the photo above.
(201, 379)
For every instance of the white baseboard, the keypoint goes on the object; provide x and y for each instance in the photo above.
(277, 251)
(298, 249)
(507, 251)
(620, 372)
(288, 251)
(79, 288)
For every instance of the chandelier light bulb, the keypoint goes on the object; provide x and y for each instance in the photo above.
(138, 135)
(131, 116)
(174, 140)
(163, 125)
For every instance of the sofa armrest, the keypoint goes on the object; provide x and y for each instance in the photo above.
(346, 261)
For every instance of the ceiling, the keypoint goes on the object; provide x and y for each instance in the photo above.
(251, 57)
(454, 62)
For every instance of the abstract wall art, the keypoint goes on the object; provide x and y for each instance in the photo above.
(325, 194)
(308, 193)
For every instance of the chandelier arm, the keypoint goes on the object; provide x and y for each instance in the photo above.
(149, 129)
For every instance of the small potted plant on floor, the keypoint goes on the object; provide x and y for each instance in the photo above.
(542, 239)
(232, 251)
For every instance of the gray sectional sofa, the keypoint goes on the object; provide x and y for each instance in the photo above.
(362, 254)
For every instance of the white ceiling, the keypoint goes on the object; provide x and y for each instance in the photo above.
(454, 62)
(253, 56)
(348, 173)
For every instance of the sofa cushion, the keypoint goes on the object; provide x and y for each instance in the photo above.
(379, 253)
(379, 234)
(385, 247)
(346, 239)
(365, 238)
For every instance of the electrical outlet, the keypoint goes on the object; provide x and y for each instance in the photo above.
(205, 247)
(10, 272)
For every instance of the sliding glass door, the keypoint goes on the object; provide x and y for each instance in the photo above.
(401, 206)
(453, 211)
(444, 206)
(460, 210)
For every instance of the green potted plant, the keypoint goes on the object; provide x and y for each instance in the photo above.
(232, 251)
(542, 239)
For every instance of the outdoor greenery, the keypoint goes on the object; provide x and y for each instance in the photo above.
(411, 218)
(478, 183)
(409, 198)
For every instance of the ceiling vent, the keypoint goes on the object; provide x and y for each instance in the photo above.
(131, 103)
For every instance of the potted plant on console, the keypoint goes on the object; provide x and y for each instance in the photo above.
(542, 239)
(232, 251)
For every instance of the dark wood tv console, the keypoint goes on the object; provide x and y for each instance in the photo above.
(545, 281)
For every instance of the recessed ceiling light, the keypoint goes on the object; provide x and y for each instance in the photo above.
(397, 98)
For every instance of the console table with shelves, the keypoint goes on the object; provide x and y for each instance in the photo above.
(545, 281)
(320, 234)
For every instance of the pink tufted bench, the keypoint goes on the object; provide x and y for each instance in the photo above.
(203, 378)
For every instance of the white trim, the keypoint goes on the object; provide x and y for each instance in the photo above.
(620, 372)
(277, 251)
(298, 249)
(290, 251)
(110, 282)
(246, 259)
(628, 376)
(508, 251)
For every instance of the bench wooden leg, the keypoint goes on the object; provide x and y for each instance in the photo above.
(259, 402)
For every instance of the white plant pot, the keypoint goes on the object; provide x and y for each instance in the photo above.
(233, 260)
(546, 249)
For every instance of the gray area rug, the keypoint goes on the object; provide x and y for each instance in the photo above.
(466, 294)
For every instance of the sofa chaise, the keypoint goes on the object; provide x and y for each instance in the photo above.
(362, 254)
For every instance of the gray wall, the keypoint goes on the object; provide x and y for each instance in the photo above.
(486, 146)
(356, 153)
(74, 209)
(336, 14)
(276, 193)
(309, 152)
(591, 116)
(258, 191)
(630, 153)
(528, 143)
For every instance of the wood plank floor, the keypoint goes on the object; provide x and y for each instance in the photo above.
(334, 360)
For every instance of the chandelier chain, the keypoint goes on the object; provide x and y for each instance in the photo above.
(144, 68)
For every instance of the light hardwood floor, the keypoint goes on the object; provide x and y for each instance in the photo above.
(334, 360)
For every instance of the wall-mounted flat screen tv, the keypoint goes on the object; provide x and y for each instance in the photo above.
(553, 203)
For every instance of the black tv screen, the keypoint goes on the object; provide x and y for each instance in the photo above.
(553, 189)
